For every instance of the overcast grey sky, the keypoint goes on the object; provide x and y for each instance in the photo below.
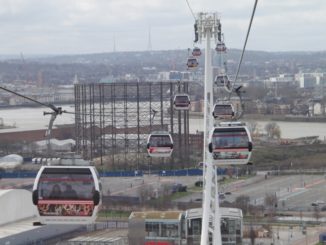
(90, 26)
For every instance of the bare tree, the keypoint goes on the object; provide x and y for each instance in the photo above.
(317, 213)
(252, 235)
(166, 189)
(253, 127)
(145, 193)
(271, 203)
(243, 202)
(273, 130)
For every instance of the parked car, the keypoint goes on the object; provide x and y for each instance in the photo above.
(317, 203)
(221, 196)
(179, 188)
(199, 183)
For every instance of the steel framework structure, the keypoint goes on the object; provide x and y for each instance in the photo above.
(114, 120)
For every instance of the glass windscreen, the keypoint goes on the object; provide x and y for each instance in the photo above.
(221, 79)
(160, 141)
(182, 99)
(230, 138)
(66, 192)
(66, 184)
(223, 110)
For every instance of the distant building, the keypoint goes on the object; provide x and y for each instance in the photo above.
(317, 107)
(184, 227)
(75, 81)
(108, 79)
(310, 80)
(283, 80)
(65, 93)
(163, 76)
(175, 76)
(321, 79)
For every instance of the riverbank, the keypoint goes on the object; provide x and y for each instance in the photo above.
(284, 118)
(289, 156)
(263, 117)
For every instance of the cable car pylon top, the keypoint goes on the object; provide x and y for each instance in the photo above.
(55, 112)
(207, 25)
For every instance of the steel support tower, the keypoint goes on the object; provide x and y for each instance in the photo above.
(207, 28)
(113, 121)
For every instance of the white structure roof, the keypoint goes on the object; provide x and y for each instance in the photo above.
(225, 213)
(16, 205)
(56, 145)
(17, 227)
(56, 142)
(11, 161)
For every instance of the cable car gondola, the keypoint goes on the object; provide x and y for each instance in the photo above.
(223, 111)
(160, 144)
(192, 62)
(196, 51)
(220, 47)
(67, 194)
(181, 102)
(222, 80)
(230, 144)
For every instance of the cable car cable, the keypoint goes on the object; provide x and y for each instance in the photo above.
(195, 25)
(57, 110)
(245, 44)
(192, 12)
(239, 93)
(25, 97)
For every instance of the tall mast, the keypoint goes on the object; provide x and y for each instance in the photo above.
(207, 29)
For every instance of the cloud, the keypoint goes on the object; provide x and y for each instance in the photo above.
(69, 26)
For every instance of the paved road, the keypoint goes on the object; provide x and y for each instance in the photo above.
(40, 234)
(132, 186)
(294, 192)
(16, 183)
(290, 235)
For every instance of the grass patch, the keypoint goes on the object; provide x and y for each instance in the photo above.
(309, 156)
(177, 195)
(231, 180)
(112, 214)
(195, 189)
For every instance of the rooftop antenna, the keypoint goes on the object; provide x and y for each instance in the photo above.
(22, 58)
(149, 46)
(75, 81)
(114, 45)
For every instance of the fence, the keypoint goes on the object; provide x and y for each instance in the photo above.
(137, 173)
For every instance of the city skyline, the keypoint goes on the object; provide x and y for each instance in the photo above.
(96, 26)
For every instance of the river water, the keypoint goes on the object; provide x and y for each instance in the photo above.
(289, 130)
(32, 118)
